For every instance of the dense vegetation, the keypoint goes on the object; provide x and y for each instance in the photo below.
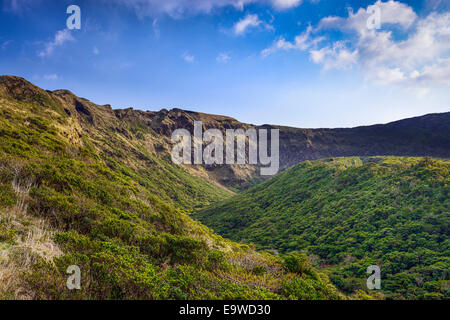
(78, 186)
(82, 184)
(350, 213)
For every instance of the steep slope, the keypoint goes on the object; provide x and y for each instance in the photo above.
(350, 213)
(421, 136)
(97, 130)
(80, 186)
(164, 122)
(428, 135)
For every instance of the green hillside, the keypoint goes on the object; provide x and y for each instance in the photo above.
(79, 186)
(350, 213)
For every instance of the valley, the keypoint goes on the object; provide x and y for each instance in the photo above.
(350, 213)
(84, 184)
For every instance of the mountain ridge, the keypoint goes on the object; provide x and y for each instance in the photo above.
(80, 188)
(100, 185)
(427, 135)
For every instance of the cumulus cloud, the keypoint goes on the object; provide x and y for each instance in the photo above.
(178, 8)
(419, 59)
(336, 57)
(391, 12)
(437, 72)
(60, 38)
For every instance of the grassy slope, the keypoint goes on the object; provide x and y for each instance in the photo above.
(79, 187)
(393, 212)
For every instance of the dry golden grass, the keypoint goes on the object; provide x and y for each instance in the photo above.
(32, 241)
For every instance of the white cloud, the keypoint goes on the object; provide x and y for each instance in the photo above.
(420, 59)
(51, 76)
(249, 21)
(280, 44)
(336, 57)
(391, 12)
(426, 47)
(435, 73)
(223, 57)
(178, 8)
(388, 76)
(18, 6)
(285, 4)
(428, 42)
(60, 38)
(95, 51)
(301, 42)
(188, 57)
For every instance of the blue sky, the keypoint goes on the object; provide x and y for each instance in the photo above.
(310, 63)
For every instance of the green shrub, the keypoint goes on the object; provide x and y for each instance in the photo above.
(7, 196)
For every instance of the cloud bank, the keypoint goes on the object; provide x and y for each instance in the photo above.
(178, 8)
(419, 59)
